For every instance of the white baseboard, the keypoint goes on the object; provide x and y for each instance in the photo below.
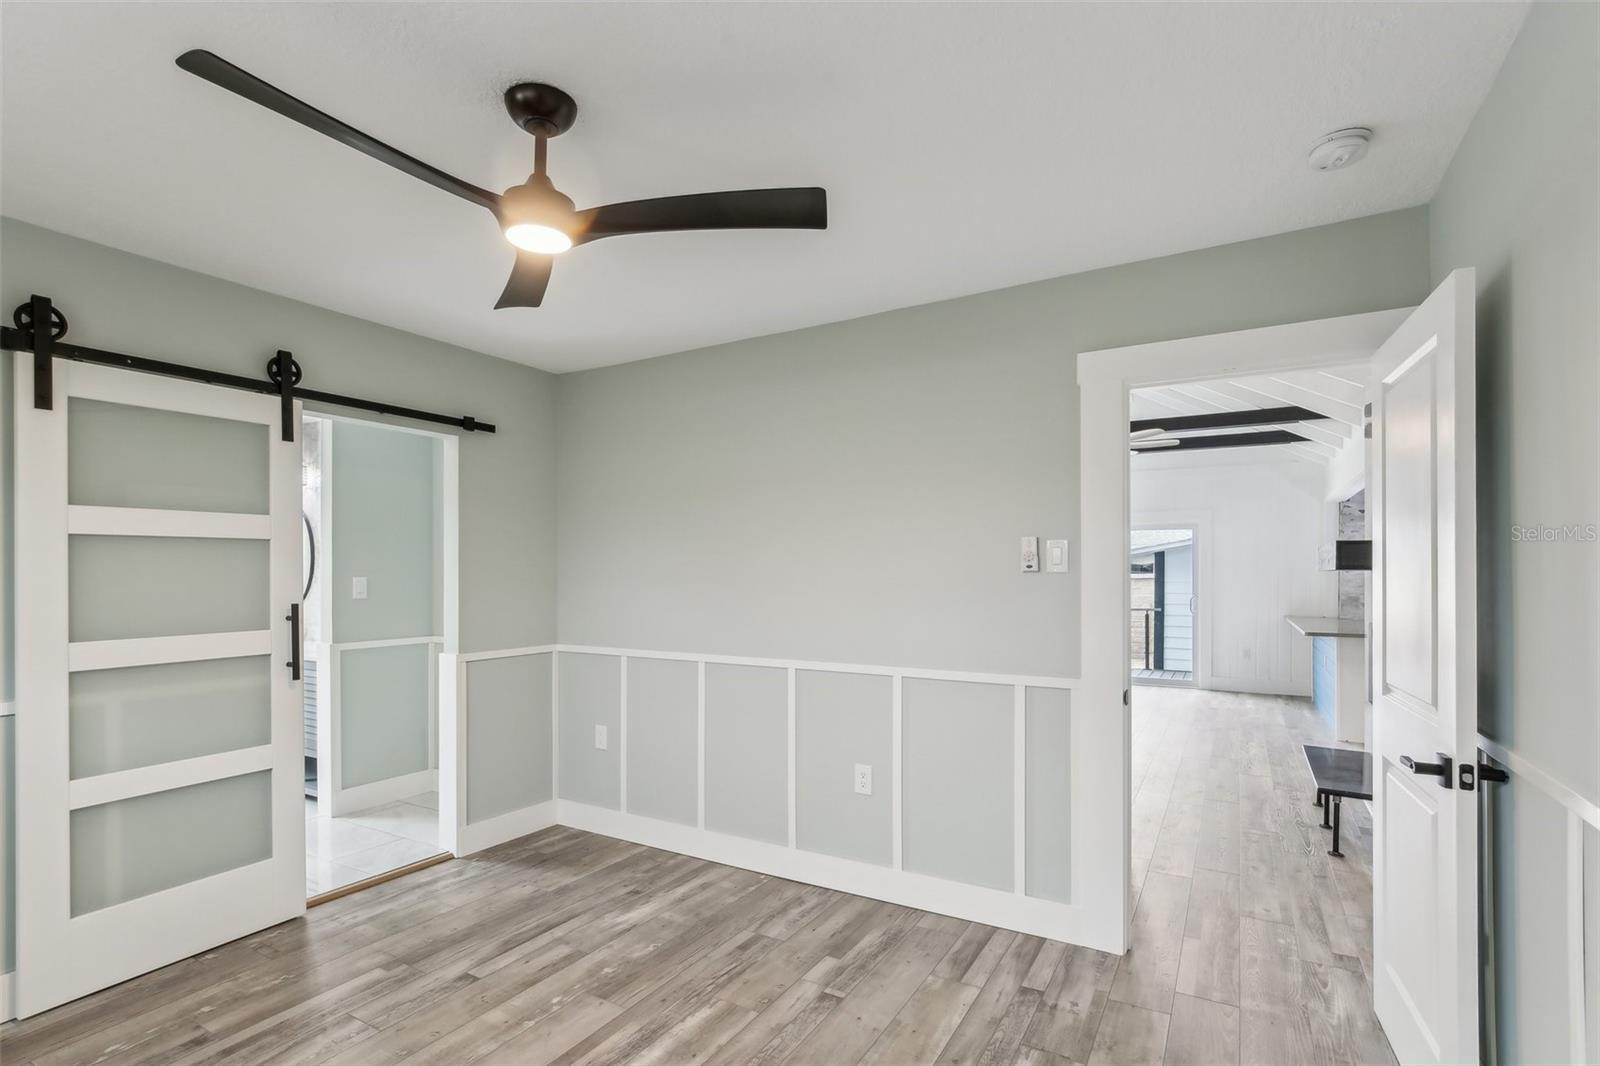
(1006, 910)
(8, 1006)
(343, 801)
(476, 836)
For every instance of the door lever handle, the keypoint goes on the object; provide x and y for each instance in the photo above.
(293, 618)
(1441, 769)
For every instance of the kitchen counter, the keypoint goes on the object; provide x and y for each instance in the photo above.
(1327, 627)
(1338, 672)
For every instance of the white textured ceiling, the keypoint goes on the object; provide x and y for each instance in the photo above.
(963, 147)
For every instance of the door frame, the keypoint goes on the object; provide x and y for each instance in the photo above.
(451, 729)
(1105, 378)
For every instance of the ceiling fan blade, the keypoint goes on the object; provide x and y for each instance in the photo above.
(529, 278)
(220, 72)
(744, 209)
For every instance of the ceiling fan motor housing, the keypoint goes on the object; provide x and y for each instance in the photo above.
(540, 109)
(537, 201)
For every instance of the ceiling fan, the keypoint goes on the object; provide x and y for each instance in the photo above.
(536, 217)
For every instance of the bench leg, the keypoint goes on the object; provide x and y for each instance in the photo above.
(1337, 807)
(1323, 801)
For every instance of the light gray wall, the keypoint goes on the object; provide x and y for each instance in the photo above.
(1519, 204)
(590, 694)
(1048, 799)
(747, 744)
(383, 496)
(841, 720)
(509, 735)
(855, 492)
(663, 734)
(957, 793)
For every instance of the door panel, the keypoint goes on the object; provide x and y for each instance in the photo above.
(122, 455)
(1425, 721)
(132, 587)
(1408, 464)
(159, 808)
(136, 716)
(131, 848)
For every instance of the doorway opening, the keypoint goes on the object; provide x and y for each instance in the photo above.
(1162, 599)
(373, 527)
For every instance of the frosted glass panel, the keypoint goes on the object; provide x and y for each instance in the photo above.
(165, 586)
(122, 456)
(144, 715)
(131, 848)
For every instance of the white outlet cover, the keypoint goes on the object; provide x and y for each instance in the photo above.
(358, 588)
(863, 779)
(1055, 556)
(600, 738)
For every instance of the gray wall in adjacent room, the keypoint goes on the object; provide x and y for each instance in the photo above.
(663, 734)
(384, 713)
(855, 492)
(508, 734)
(747, 744)
(590, 694)
(383, 489)
(383, 492)
(1519, 204)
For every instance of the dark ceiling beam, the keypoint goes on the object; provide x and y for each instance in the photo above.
(1264, 416)
(1227, 440)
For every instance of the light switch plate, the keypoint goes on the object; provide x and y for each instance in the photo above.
(600, 738)
(1030, 554)
(358, 588)
(1055, 556)
(863, 779)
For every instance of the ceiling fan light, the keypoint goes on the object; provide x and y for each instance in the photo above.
(536, 217)
(536, 237)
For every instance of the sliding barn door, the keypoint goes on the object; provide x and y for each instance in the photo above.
(159, 770)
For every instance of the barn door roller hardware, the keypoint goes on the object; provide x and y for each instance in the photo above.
(283, 372)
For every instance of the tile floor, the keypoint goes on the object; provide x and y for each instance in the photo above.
(346, 849)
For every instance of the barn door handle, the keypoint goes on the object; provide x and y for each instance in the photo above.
(293, 618)
(1441, 769)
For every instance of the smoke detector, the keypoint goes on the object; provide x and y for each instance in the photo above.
(1341, 148)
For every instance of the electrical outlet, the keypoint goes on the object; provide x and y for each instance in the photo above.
(600, 738)
(358, 588)
(863, 779)
(1055, 553)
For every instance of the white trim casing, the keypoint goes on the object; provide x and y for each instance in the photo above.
(1104, 380)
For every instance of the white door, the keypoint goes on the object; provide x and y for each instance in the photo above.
(159, 773)
(1425, 670)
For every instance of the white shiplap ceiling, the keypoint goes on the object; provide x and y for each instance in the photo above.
(1338, 393)
(965, 147)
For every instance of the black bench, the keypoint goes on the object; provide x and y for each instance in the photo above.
(1338, 773)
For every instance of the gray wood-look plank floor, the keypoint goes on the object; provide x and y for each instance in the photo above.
(1250, 945)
